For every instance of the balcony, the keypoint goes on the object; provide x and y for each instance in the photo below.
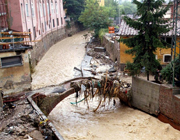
(14, 47)
(3, 29)
(2, 13)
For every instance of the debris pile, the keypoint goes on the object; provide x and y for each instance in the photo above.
(20, 121)
(105, 88)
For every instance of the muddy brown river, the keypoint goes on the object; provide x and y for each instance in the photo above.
(76, 122)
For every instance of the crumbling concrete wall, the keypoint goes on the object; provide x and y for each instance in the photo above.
(17, 78)
(112, 48)
(145, 95)
(169, 103)
(41, 47)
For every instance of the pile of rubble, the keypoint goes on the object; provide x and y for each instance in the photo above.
(20, 121)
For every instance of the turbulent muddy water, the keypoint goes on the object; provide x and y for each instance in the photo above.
(58, 63)
(108, 123)
(77, 122)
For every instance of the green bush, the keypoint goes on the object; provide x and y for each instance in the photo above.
(167, 72)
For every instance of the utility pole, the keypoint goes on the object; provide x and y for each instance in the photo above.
(174, 44)
(1, 99)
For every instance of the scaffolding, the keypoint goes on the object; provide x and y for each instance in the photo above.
(175, 43)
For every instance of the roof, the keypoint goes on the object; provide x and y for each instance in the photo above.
(125, 30)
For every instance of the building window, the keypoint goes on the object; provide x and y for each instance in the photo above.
(178, 9)
(27, 11)
(166, 58)
(44, 9)
(32, 8)
(53, 23)
(56, 8)
(52, 8)
(57, 21)
(61, 21)
(22, 11)
(42, 28)
(45, 26)
(29, 30)
(34, 30)
(41, 10)
(167, 39)
(48, 9)
(11, 61)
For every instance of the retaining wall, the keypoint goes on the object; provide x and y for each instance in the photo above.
(169, 103)
(145, 95)
(41, 47)
(157, 98)
(112, 48)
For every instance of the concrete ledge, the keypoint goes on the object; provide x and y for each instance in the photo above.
(43, 117)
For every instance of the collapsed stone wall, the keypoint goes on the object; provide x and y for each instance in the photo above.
(112, 48)
(41, 47)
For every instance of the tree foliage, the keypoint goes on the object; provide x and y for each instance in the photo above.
(74, 8)
(127, 8)
(150, 26)
(94, 17)
(113, 8)
(167, 72)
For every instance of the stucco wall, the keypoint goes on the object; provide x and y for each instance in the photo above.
(14, 21)
(124, 57)
(15, 79)
(145, 95)
(112, 48)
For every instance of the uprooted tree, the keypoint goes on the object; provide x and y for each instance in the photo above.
(150, 25)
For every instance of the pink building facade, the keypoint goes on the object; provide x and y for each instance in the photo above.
(39, 17)
(3, 16)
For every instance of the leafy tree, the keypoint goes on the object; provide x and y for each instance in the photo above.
(150, 26)
(128, 7)
(113, 8)
(94, 16)
(74, 8)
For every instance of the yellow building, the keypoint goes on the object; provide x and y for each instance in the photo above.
(101, 2)
(163, 55)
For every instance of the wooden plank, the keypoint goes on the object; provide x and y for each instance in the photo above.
(4, 43)
(14, 37)
(7, 33)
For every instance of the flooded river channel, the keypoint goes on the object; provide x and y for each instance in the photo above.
(76, 121)
(108, 123)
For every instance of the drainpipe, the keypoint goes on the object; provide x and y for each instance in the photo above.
(1, 99)
(37, 19)
(7, 14)
(32, 19)
(25, 16)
